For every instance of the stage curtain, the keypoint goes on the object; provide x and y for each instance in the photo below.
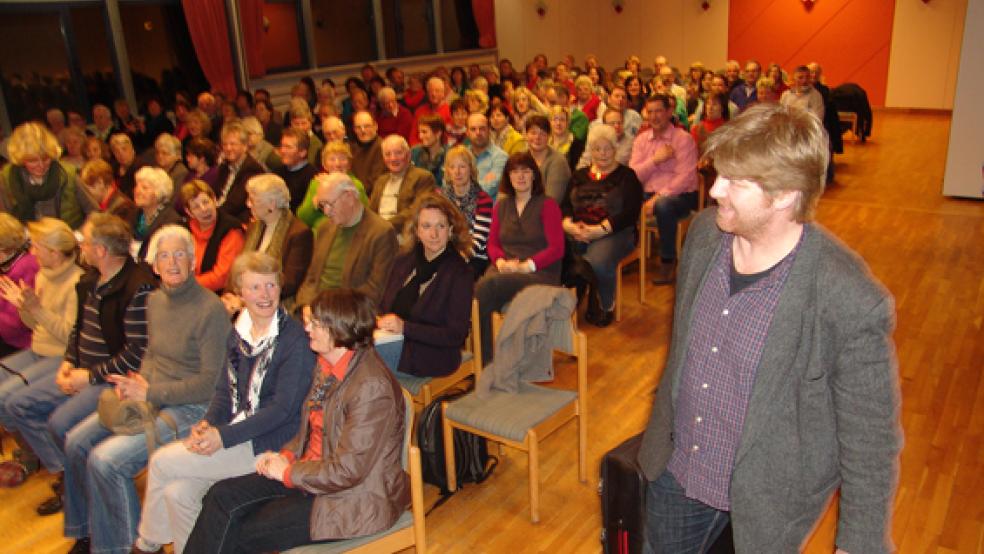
(207, 25)
(484, 11)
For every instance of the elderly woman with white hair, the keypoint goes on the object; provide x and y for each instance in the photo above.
(186, 350)
(35, 184)
(48, 309)
(167, 155)
(275, 231)
(261, 149)
(152, 195)
(256, 407)
(601, 210)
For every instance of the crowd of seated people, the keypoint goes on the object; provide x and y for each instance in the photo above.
(219, 258)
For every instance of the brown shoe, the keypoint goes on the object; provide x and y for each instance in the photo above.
(665, 274)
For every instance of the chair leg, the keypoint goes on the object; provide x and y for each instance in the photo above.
(449, 467)
(425, 393)
(582, 445)
(534, 463)
(618, 293)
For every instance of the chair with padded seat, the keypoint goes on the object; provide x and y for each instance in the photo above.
(409, 528)
(637, 255)
(424, 389)
(522, 419)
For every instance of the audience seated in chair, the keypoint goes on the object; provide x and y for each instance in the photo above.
(354, 246)
(428, 297)
(256, 407)
(177, 376)
(341, 466)
(394, 192)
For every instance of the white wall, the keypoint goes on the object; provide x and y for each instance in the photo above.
(965, 157)
(677, 29)
(925, 54)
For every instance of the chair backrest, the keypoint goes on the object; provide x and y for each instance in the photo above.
(408, 428)
(474, 342)
(701, 191)
(498, 317)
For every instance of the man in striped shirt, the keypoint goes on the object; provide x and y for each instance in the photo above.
(109, 338)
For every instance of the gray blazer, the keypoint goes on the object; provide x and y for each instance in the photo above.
(824, 411)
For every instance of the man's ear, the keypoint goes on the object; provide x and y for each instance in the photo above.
(786, 199)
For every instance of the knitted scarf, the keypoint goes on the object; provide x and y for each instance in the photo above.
(254, 235)
(261, 354)
(26, 194)
(466, 203)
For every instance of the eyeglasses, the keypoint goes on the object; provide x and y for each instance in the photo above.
(326, 205)
(179, 255)
(310, 321)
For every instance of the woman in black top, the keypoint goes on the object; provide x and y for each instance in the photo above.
(601, 210)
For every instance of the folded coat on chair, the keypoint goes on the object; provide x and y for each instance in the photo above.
(538, 320)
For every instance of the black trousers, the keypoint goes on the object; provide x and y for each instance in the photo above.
(251, 514)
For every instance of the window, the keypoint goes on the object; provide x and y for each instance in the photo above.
(344, 31)
(458, 28)
(162, 56)
(93, 49)
(408, 26)
(36, 74)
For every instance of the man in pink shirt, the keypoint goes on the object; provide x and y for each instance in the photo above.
(665, 160)
(436, 105)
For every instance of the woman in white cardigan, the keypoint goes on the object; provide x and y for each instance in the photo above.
(48, 309)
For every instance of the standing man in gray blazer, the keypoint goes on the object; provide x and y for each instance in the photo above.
(781, 384)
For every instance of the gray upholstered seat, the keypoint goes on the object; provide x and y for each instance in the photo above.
(510, 415)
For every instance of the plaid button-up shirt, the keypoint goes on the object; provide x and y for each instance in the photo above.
(726, 343)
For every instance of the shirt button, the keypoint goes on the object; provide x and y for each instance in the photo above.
(698, 419)
(725, 312)
(714, 349)
(696, 448)
(703, 386)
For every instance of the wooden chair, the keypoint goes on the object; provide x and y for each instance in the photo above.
(409, 528)
(683, 224)
(637, 255)
(520, 420)
(424, 389)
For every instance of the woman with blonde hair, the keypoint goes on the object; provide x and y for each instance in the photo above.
(35, 184)
(428, 297)
(461, 187)
(48, 308)
(524, 103)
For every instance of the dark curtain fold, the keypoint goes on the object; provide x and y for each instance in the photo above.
(208, 27)
(251, 14)
(484, 11)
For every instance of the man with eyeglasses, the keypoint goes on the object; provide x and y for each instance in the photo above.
(367, 150)
(354, 247)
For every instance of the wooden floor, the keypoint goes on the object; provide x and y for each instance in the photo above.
(928, 250)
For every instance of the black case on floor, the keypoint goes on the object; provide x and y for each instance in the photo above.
(623, 503)
(623, 499)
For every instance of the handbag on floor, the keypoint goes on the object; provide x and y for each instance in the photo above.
(132, 417)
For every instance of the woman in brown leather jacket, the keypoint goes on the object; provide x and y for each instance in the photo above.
(340, 477)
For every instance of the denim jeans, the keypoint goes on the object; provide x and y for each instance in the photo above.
(43, 415)
(100, 497)
(668, 211)
(675, 523)
(33, 367)
(604, 255)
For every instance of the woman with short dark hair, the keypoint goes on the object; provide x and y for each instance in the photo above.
(341, 475)
(526, 242)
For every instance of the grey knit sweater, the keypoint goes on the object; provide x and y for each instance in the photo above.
(187, 328)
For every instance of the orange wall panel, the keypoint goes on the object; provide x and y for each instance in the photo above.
(281, 46)
(851, 39)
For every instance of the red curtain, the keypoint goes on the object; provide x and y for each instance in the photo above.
(484, 11)
(208, 26)
(251, 14)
